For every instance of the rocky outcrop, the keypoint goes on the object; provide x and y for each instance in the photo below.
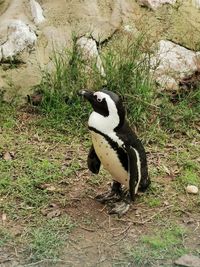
(172, 62)
(37, 12)
(32, 30)
(196, 3)
(154, 4)
(90, 51)
(19, 37)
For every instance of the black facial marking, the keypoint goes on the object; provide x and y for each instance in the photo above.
(100, 107)
(119, 105)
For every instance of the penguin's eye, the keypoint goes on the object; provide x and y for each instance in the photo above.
(99, 99)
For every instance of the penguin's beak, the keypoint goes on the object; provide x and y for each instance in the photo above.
(86, 94)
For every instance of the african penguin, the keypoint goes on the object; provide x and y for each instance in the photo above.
(117, 148)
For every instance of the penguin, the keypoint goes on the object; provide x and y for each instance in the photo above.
(117, 148)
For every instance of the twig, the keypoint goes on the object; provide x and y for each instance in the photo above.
(109, 222)
(131, 221)
(119, 240)
(103, 208)
(124, 231)
(87, 229)
(148, 219)
(197, 226)
(53, 147)
(155, 214)
(135, 97)
(47, 260)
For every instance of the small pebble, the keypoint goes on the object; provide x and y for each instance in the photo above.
(192, 189)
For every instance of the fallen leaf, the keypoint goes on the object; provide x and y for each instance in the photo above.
(51, 188)
(7, 156)
(48, 187)
(44, 212)
(16, 230)
(53, 205)
(188, 220)
(166, 170)
(54, 213)
(51, 210)
(3, 218)
(166, 203)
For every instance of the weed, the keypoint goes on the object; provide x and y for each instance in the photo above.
(46, 241)
(60, 88)
(164, 244)
(181, 115)
(127, 73)
(153, 202)
(5, 237)
(189, 177)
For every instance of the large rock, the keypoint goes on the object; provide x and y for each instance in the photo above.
(19, 37)
(188, 261)
(172, 62)
(196, 3)
(37, 12)
(154, 4)
(54, 23)
(90, 51)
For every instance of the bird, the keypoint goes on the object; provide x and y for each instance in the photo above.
(117, 148)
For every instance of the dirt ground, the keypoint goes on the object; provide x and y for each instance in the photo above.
(97, 238)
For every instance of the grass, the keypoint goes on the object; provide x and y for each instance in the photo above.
(161, 245)
(37, 162)
(46, 151)
(5, 237)
(189, 177)
(127, 69)
(127, 73)
(46, 241)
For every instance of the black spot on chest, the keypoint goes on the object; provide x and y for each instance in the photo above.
(121, 153)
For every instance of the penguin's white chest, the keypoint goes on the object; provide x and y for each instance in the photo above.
(109, 159)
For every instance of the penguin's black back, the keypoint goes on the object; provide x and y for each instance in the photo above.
(126, 134)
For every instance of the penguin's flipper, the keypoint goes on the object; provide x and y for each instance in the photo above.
(134, 170)
(93, 161)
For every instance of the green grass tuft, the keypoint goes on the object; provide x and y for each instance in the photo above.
(164, 244)
(46, 242)
(189, 177)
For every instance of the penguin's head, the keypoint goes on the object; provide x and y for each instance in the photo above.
(107, 106)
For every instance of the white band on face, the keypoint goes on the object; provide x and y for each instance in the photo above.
(99, 96)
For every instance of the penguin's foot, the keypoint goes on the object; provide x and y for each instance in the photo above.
(114, 195)
(108, 196)
(119, 208)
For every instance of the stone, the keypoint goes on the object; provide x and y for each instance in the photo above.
(58, 39)
(188, 261)
(37, 12)
(90, 51)
(192, 189)
(196, 3)
(130, 29)
(171, 62)
(54, 23)
(154, 4)
(19, 37)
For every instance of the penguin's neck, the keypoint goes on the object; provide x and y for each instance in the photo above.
(103, 124)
